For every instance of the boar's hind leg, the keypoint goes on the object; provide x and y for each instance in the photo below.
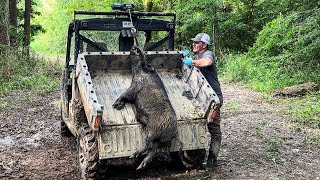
(150, 145)
(150, 155)
(141, 150)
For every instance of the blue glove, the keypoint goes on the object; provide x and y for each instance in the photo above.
(188, 61)
(185, 53)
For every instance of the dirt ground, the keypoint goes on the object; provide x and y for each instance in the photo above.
(258, 142)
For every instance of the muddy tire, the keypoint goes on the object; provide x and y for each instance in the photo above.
(64, 95)
(64, 130)
(193, 158)
(88, 156)
(64, 110)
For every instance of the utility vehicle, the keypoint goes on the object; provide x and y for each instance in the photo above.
(97, 72)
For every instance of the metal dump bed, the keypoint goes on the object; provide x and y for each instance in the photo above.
(103, 77)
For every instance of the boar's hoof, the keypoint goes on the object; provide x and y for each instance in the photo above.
(118, 104)
(144, 163)
(141, 166)
(135, 155)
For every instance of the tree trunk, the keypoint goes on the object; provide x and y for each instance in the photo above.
(148, 5)
(13, 22)
(27, 29)
(13, 13)
(215, 31)
(4, 23)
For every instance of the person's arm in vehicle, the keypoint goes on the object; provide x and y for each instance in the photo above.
(202, 62)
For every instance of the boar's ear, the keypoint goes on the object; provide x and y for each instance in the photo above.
(134, 48)
(139, 51)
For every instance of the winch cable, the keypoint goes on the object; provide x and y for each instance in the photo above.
(133, 31)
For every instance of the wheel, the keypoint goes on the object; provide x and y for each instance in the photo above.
(88, 156)
(194, 158)
(64, 95)
(64, 110)
(64, 130)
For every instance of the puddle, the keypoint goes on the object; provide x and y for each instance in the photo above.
(7, 141)
(34, 140)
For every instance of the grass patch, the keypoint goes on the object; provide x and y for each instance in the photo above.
(30, 99)
(305, 110)
(272, 143)
(233, 106)
(260, 129)
(17, 72)
(316, 138)
(3, 105)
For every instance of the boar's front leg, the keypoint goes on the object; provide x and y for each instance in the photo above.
(127, 96)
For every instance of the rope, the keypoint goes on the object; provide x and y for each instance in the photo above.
(133, 31)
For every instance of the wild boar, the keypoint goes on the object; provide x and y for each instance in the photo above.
(153, 108)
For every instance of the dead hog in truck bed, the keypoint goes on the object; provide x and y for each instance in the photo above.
(153, 108)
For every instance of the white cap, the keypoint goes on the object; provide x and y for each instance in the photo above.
(203, 37)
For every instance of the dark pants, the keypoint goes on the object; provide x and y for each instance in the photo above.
(214, 122)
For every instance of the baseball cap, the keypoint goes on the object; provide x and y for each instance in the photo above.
(202, 37)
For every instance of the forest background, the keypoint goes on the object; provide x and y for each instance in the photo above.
(265, 44)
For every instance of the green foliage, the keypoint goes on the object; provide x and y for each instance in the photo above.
(36, 28)
(238, 24)
(305, 110)
(292, 45)
(234, 67)
(238, 21)
(238, 68)
(55, 21)
(19, 72)
(286, 52)
(233, 106)
(56, 17)
(192, 18)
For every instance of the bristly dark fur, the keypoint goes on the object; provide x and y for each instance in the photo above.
(153, 108)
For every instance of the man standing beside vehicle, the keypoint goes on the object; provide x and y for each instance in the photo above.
(205, 61)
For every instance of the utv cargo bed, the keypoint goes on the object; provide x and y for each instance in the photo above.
(105, 76)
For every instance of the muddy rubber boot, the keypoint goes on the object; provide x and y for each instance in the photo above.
(213, 153)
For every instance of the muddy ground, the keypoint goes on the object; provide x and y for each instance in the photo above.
(258, 142)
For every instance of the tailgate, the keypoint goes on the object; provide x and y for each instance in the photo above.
(123, 141)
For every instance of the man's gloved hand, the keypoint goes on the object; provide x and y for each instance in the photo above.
(185, 53)
(188, 61)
